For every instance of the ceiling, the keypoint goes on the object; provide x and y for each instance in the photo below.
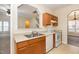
(54, 6)
(3, 10)
(71, 15)
(29, 9)
(4, 6)
(26, 9)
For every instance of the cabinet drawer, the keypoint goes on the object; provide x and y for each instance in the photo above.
(22, 44)
(33, 41)
(28, 42)
(25, 50)
(36, 40)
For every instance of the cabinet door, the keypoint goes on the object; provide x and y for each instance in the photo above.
(46, 19)
(31, 49)
(25, 50)
(40, 47)
(54, 43)
(43, 46)
(37, 48)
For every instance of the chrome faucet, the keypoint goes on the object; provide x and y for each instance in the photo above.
(34, 33)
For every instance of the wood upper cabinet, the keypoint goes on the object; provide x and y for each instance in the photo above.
(54, 20)
(46, 19)
(34, 46)
(49, 19)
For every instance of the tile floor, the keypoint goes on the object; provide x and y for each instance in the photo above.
(5, 45)
(65, 49)
(73, 40)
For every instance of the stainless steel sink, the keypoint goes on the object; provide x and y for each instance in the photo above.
(32, 35)
(28, 36)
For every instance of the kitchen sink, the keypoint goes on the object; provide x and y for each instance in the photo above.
(32, 35)
(28, 36)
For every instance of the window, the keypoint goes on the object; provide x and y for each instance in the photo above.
(0, 26)
(73, 26)
(4, 26)
(77, 25)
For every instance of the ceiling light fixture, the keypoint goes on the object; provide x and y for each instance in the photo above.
(75, 18)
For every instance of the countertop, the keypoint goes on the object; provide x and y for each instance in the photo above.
(21, 37)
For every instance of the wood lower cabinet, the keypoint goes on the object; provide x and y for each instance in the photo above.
(54, 43)
(24, 50)
(34, 46)
(57, 39)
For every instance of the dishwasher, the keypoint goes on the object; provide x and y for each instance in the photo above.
(49, 42)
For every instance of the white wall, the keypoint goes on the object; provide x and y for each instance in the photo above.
(13, 25)
(62, 19)
(14, 17)
(41, 11)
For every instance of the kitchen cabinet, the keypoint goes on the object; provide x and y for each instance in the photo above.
(33, 46)
(54, 20)
(54, 43)
(49, 19)
(46, 19)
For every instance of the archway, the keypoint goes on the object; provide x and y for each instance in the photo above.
(73, 28)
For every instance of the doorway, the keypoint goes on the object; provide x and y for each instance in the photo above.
(73, 28)
(4, 30)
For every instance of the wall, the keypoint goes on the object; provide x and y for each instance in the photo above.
(62, 19)
(41, 11)
(13, 25)
(14, 17)
(21, 22)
